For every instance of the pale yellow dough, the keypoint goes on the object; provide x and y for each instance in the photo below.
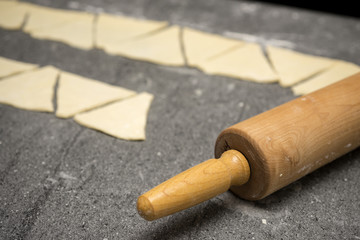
(70, 27)
(41, 17)
(337, 72)
(9, 67)
(246, 62)
(12, 14)
(162, 47)
(124, 119)
(200, 46)
(77, 94)
(114, 30)
(30, 90)
(293, 67)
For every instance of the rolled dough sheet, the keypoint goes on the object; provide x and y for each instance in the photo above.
(12, 14)
(30, 90)
(293, 67)
(70, 27)
(113, 30)
(9, 67)
(77, 94)
(246, 62)
(124, 119)
(200, 46)
(337, 72)
(162, 47)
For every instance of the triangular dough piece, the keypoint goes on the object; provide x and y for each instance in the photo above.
(337, 72)
(41, 17)
(246, 62)
(70, 27)
(44, 17)
(77, 33)
(200, 46)
(9, 67)
(12, 14)
(30, 90)
(293, 67)
(124, 119)
(161, 47)
(113, 30)
(77, 94)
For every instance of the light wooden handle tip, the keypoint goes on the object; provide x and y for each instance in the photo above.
(145, 208)
(195, 185)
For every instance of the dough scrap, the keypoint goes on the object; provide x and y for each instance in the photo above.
(9, 67)
(337, 72)
(124, 119)
(246, 62)
(200, 46)
(113, 30)
(293, 67)
(30, 90)
(70, 27)
(161, 47)
(77, 94)
(12, 14)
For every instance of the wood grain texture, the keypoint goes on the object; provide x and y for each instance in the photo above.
(195, 185)
(292, 140)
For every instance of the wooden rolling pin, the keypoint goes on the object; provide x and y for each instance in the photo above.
(267, 152)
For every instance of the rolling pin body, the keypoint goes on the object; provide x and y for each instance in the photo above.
(267, 152)
(293, 139)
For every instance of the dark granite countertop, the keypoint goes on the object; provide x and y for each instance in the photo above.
(59, 180)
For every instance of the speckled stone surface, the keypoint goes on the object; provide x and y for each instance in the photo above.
(59, 180)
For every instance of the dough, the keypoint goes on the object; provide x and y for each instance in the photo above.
(30, 90)
(337, 72)
(41, 17)
(77, 33)
(70, 27)
(113, 30)
(12, 14)
(162, 47)
(77, 94)
(9, 67)
(124, 119)
(293, 67)
(246, 62)
(200, 46)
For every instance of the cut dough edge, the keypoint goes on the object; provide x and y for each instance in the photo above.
(162, 47)
(78, 94)
(112, 30)
(294, 67)
(125, 119)
(74, 28)
(45, 78)
(12, 14)
(337, 72)
(77, 34)
(246, 62)
(9, 67)
(200, 46)
(32, 90)
(58, 17)
(75, 15)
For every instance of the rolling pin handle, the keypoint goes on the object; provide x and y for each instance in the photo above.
(195, 185)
